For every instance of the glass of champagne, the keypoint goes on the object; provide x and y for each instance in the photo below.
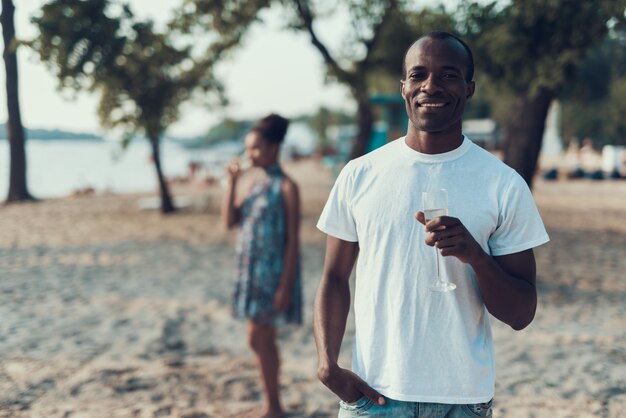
(435, 204)
(245, 164)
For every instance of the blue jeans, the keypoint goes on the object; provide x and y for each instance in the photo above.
(399, 409)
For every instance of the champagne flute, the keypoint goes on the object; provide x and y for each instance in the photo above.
(435, 204)
(245, 164)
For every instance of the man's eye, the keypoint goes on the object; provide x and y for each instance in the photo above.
(417, 76)
(450, 76)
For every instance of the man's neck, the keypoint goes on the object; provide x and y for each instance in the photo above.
(433, 142)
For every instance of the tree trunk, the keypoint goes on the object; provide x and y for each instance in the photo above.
(167, 206)
(18, 189)
(524, 133)
(365, 121)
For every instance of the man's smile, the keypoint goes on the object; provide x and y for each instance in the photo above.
(431, 103)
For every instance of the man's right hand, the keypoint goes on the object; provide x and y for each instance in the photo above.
(347, 385)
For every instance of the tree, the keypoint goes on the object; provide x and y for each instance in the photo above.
(594, 106)
(142, 75)
(227, 129)
(18, 189)
(321, 120)
(531, 49)
(381, 31)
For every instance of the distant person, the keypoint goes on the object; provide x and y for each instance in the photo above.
(591, 160)
(418, 352)
(572, 160)
(268, 287)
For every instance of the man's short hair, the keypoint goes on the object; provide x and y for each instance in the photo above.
(469, 71)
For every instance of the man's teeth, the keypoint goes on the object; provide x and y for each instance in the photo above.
(432, 104)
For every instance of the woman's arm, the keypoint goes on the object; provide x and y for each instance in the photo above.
(230, 212)
(291, 199)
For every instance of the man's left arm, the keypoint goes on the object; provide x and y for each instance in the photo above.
(507, 282)
(507, 286)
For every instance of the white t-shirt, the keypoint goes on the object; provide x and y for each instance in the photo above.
(412, 344)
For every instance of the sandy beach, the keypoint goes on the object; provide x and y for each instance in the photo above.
(108, 310)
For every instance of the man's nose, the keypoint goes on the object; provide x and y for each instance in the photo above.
(430, 85)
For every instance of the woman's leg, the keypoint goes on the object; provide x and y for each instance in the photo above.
(262, 340)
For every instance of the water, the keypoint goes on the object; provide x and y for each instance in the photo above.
(434, 213)
(57, 168)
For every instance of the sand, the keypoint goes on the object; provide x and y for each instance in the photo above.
(112, 311)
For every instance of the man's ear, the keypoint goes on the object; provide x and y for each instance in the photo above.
(471, 86)
(402, 89)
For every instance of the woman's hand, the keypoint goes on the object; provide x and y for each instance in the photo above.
(282, 298)
(233, 170)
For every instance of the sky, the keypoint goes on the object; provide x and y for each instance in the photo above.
(275, 70)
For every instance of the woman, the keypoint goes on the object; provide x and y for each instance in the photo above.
(268, 288)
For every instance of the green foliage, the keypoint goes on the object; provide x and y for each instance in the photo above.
(222, 23)
(403, 29)
(370, 60)
(232, 129)
(490, 100)
(135, 69)
(530, 45)
(228, 129)
(573, 49)
(616, 112)
(594, 107)
(222, 17)
(143, 75)
(322, 119)
(372, 51)
(79, 39)
(368, 20)
(601, 119)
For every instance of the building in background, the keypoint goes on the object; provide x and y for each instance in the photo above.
(483, 132)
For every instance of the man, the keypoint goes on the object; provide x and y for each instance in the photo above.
(417, 352)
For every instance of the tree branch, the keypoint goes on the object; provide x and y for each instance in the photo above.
(370, 45)
(304, 12)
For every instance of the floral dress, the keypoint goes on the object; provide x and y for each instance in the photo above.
(260, 255)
